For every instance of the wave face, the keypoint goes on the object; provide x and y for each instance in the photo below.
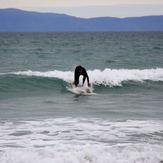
(35, 82)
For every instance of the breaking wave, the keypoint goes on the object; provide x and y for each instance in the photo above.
(107, 77)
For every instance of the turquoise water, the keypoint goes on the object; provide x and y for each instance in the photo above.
(42, 120)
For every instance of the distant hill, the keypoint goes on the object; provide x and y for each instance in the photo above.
(14, 20)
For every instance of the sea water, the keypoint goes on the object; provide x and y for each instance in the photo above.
(42, 121)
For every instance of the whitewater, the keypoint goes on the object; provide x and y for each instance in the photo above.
(110, 77)
(78, 140)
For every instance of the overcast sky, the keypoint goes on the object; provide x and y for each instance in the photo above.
(90, 8)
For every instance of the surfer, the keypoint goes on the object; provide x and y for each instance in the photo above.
(79, 70)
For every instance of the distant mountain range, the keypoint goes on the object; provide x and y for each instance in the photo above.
(15, 20)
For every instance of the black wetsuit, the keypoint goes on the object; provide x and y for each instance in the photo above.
(77, 74)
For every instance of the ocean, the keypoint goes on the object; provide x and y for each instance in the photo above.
(43, 121)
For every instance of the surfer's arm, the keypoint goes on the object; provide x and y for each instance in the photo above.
(76, 78)
(86, 76)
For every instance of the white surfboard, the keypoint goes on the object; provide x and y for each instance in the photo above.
(82, 90)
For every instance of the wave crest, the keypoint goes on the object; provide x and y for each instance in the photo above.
(114, 77)
(107, 77)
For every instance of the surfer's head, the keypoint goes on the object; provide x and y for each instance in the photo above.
(80, 69)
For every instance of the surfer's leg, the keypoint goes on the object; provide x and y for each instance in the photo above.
(76, 81)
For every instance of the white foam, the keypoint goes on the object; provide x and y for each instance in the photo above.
(111, 77)
(64, 75)
(70, 131)
(81, 140)
(114, 77)
(87, 154)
